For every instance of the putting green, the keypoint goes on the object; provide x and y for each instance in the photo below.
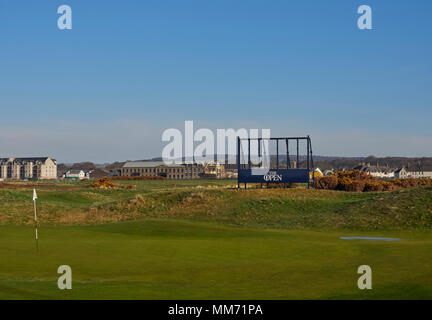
(181, 259)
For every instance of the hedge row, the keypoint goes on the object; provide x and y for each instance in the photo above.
(359, 181)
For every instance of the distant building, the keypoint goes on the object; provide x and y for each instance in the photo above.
(328, 172)
(75, 174)
(159, 168)
(414, 171)
(80, 174)
(214, 171)
(376, 170)
(231, 174)
(115, 172)
(98, 173)
(43, 168)
(401, 173)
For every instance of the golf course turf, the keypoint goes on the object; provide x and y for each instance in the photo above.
(186, 241)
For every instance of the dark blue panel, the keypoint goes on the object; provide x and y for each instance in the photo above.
(274, 176)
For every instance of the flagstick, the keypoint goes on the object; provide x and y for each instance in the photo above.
(35, 219)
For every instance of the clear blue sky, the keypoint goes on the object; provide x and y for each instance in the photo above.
(106, 89)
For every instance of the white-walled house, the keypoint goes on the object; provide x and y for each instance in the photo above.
(75, 174)
(376, 171)
(328, 172)
(417, 171)
(401, 173)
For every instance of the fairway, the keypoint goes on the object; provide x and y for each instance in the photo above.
(161, 259)
(205, 240)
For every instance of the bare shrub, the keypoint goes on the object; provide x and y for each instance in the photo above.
(104, 183)
(375, 186)
(326, 183)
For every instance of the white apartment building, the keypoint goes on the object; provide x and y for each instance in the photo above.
(43, 168)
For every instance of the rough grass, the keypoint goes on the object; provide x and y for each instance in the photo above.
(218, 201)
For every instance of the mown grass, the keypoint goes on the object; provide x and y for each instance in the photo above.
(205, 240)
(175, 259)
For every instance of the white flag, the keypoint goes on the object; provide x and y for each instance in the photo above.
(34, 195)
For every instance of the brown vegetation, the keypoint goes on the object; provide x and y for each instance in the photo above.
(359, 181)
(32, 185)
(108, 183)
(104, 183)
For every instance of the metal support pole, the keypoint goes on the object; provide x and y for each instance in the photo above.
(288, 159)
(311, 155)
(259, 152)
(311, 159)
(297, 164)
(36, 230)
(238, 162)
(249, 157)
(259, 147)
(277, 154)
(307, 160)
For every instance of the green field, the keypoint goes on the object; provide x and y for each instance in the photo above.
(205, 240)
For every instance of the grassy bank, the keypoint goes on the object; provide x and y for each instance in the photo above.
(218, 201)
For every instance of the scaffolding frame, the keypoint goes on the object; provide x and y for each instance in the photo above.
(288, 175)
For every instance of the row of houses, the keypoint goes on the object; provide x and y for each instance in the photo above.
(76, 174)
(84, 174)
(42, 168)
(414, 172)
(385, 172)
(45, 168)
